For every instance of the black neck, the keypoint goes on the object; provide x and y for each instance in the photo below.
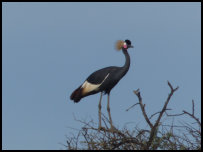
(126, 66)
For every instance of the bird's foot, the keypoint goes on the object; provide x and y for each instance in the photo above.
(113, 129)
(101, 128)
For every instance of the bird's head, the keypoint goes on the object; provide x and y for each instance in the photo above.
(123, 44)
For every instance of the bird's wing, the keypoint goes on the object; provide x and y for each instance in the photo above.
(99, 76)
(92, 83)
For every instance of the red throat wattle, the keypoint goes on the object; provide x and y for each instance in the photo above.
(125, 46)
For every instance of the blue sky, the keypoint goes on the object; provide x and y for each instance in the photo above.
(49, 49)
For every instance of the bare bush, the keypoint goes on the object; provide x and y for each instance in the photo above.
(159, 136)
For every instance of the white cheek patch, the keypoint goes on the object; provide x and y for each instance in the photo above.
(125, 45)
(88, 87)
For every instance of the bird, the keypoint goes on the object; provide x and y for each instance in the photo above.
(104, 80)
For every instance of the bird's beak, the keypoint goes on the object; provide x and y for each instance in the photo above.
(131, 46)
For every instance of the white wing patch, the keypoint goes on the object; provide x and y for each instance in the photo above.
(88, 87)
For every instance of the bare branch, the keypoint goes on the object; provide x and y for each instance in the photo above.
(178, 136)
(193, 108)
(172, 115)
(154, 128)
(137, 92)
(156, 113)
(132, 106)
(191, 115)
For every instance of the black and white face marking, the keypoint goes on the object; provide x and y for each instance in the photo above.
(125, 46)
(128, 43)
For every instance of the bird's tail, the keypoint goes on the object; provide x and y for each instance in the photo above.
(76, 95)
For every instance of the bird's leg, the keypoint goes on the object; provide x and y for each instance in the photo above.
(99, 106)
(108, 109)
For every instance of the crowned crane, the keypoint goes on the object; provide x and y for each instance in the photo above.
(104, 80)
